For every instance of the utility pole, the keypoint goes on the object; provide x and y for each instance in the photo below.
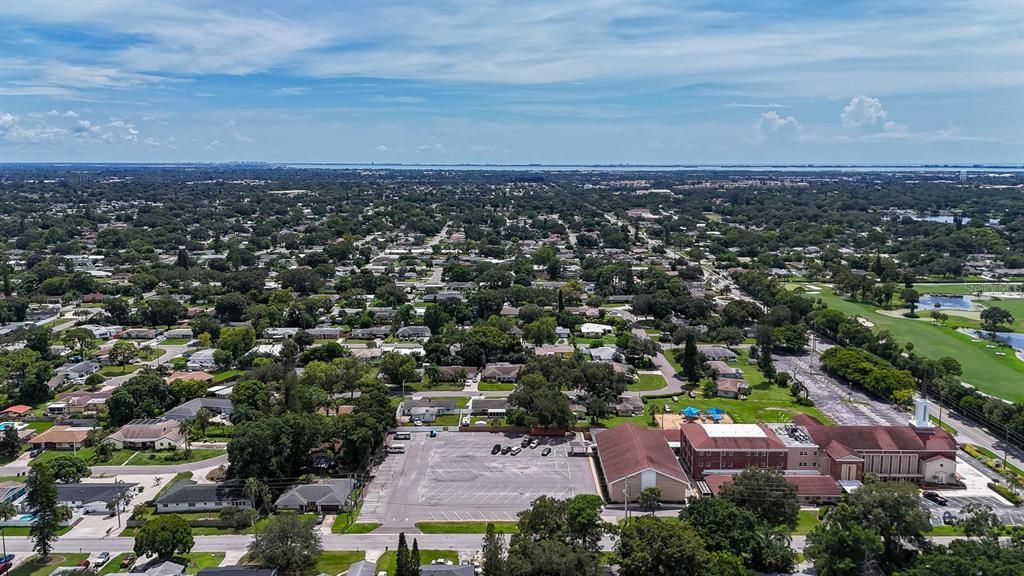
(625, 492)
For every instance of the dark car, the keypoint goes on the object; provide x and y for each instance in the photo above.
(7, 559)
(546, 451)
(496, 449)
(525, 442)
(691, 394)
(948, 518)
(35, 452)
(5, 567)
(935, 497)
(506, 450)
(84, 563)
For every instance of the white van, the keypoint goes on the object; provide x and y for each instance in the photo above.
(403, 436)
(396, 449)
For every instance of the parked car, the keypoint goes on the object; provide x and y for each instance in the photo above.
(5, 567)
(534, 444)
(128, 561)
(320, 519)
(515, 451)
(935, 497)
(668, 409)
(35, 452)
(84, 563)
(525, 442)
(948, 518)
(7, 559)
(433, 434)
(506, 450)
(496, 448)
(102, 558)
(546, 451)
(417, 423)
(691, 394)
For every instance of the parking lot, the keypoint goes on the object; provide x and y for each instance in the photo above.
(1007, 513)
(454, 477)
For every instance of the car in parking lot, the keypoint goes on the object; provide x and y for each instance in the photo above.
(525, 442)
(515, 451)
(534, 444)
(546, 451)
(506, 450)
(496, 448)
(935, 497)
(948, 518)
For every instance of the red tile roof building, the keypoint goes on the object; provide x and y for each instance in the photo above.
(633, 458)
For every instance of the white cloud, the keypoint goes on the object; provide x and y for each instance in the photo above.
(382, 148)
(773, 122)
(213, 145)
(862, 110)
(290, 91)
(435, 148)
(7, 120)
(401, 99)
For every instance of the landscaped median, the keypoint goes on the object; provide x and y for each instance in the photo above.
(1014, 475)
(466, 527)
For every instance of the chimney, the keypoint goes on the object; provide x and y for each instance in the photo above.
(920, 421)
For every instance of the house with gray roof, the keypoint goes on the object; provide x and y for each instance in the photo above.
(333, 495)
(190, 496)
(91, 498)
(188, 410)
(413, 333)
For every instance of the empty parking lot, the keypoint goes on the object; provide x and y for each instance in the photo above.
(454, 477)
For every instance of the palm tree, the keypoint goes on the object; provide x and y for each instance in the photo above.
(259, 493)
(7, 511)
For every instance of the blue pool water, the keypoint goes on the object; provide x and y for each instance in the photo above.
(928, 301)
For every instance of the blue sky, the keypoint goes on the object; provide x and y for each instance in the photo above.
(602, 81)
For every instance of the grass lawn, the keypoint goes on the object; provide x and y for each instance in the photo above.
(119, 370)
(944, 530)
(496, 387)
(40, 426)
(807, 520)
(166, 457)
(460, 401)
(339, 526)
(336, 561)
(199, 560)
(226, 375)
(945, 426)
(32, 567)
(113, 565)
(767, 403)
(151, 354)
(996, 375)
(997, 459)
(672, 360)
(387, 561)
(176, 341)
(1014, 306)
(435, 387)
(23, 530)
(445, 420)
(465, 527)
(606, 340)
(648, 382)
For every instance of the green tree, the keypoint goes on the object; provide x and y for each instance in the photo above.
(979, 521)
(994, 317)
(122, 353)
(237, 341)
(402, 556)
(41, 501)
(79, 340)
(842, 548)
(649, 499)
(493, 552)
(10, 444)
(891, 509)
(398, 368)
(650, 546)
(67, 468)
(691, 360)
(766, 494)
(911, 297)
(7, 511)
(145, 395)
(164, 536)
(414, 559)
(289, 542)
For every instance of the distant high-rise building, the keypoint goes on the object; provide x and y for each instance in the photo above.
(963, 175)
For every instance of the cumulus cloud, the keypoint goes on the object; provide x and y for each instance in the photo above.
(862, 110)
(436, 148)
(55, 126)
(382, 148)
(773, 122)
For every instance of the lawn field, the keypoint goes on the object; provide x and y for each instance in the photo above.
(496, 387)
(1001, 376)
(387, 561)
(646, 382)
(466, 527)
(334, 562)
(806, 522)
(32, 567)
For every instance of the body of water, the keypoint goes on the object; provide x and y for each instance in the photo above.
(1013, 339)
(650, 168)
(935, 301)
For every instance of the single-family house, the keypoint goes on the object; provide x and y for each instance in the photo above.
(60, 438)
(148, 433)
(11, 490)
(91, 498)
(456, 373)
(554, 350)
(243, 570)
(177, 333)
(188, 410)
(81, 370)
(324, 332)
(446, 570)
(480, 405)
(605, 354)
(413, 333)
(333, 495)
(724, 370)
(427, 409)
(732, 388)
(501, 372)
(202, 360)
(720, 353)
(190, 496)
(280, 332)
(372, 333)
(593, 330)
